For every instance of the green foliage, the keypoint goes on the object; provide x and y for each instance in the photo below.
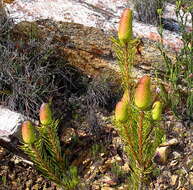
(140, 127)
(125, 55)
(47, 156)
(139, 132)
(179, 73)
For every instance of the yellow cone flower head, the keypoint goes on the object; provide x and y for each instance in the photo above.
(121, 110)
(143, 93)
(156, 110)
(28, 132)
(45, 114)
(125, 32)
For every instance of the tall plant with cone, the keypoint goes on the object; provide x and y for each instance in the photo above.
(41, 143)
(137, 116)
(126, 48)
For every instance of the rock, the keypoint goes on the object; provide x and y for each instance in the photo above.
(96, 13)
(170, 142)
(174, 179)
(109, 179)
(174, 163)
(86, 48)
(29, 183)
(176, 155)
(93, 171)
(35, 187)
(107, 188)
(161, 155)
(10, 135)
(126, 167)
(96, 187)
(123, 187)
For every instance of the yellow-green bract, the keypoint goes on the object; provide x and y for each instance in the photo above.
(28, 132)
(125, 32)
(121, 110)
(156, 110)
(143, 93)
(45, 114)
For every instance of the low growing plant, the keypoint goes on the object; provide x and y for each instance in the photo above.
(147, 10)
(42, 145)
(179, 73)
(138, 113)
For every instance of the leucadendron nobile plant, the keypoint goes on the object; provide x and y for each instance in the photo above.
(41, 143)
(138, 113)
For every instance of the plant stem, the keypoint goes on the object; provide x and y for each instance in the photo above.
(53, 139)
(130, 143)
(140, 137)
(140, 145)
(126, 64)
(56, 148)
(43, 164)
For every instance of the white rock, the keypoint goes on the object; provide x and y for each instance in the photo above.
(161, 154)
(10, 123)
(96, 13)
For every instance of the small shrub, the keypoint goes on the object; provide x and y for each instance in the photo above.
(42, 145)
(135, 119)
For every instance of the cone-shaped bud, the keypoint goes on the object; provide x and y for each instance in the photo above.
(143, 93)
(28, 132)
(156, 110)
(121, 110)
(125, 97)
(125, 26)
(45, 114)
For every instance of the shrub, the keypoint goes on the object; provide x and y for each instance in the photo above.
(42, 145)
(135, 119)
